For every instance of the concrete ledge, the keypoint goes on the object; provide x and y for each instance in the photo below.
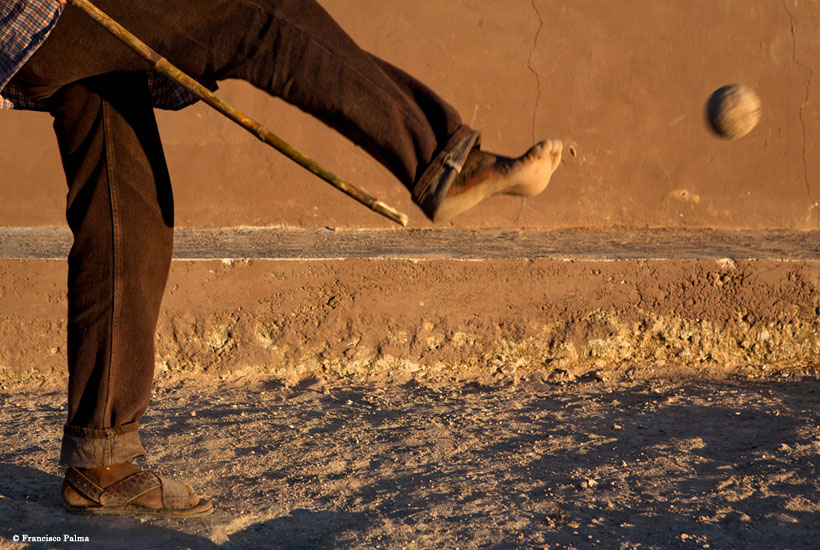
(455, 244)
(425, 318)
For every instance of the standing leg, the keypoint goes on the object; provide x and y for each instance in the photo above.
(120, 210)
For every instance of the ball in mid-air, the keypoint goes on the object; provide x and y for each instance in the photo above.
(733, 111)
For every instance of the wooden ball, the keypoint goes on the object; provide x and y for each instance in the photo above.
(733, 111)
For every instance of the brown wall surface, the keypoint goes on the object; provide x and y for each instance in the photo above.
(624, 82)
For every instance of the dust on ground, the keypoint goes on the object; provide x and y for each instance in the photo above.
(578, 463)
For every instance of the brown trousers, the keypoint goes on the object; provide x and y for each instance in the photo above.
(120, 206)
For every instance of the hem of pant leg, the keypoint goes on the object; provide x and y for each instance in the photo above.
(436, 179)
(88, 448)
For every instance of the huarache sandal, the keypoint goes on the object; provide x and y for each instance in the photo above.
(128, 496)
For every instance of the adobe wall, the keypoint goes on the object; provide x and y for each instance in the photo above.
(624, 83)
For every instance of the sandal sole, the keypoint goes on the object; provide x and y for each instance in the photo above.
(204, 508)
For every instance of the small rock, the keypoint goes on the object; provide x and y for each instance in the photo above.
(588, 483)
(727, 263)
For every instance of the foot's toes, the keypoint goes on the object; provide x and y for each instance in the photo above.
(550, 149)
(535, 151)
(533, 170)
(193, 498)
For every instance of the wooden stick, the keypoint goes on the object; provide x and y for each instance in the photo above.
(163, 66)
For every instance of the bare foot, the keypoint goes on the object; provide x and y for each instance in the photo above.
(485, 174)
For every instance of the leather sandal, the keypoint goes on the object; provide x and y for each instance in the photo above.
(83, 496)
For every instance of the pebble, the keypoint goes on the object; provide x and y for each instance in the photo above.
(588, 483)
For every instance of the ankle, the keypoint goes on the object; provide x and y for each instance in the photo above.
(472, 172)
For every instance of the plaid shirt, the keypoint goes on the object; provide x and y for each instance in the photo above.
(24, 26)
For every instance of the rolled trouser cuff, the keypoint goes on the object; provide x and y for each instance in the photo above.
(436, 180)
(90, 448)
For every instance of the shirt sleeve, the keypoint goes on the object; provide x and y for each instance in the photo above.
(24, 26)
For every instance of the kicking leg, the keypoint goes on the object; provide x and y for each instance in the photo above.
(291, 49)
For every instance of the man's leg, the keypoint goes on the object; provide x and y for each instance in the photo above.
(294, 50)
(120, 210)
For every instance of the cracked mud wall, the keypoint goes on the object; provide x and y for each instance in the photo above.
(624, 83)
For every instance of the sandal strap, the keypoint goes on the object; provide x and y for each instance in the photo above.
(83, 485)
(129, 488)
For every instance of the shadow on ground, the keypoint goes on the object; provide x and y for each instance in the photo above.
(30, 506)
(655, 465)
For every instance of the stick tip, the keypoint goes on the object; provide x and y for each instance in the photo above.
(389, 212)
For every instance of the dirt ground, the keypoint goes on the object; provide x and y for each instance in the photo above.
(448, 404)
(573, 462)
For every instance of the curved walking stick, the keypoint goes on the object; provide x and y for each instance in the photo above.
(163, 66)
